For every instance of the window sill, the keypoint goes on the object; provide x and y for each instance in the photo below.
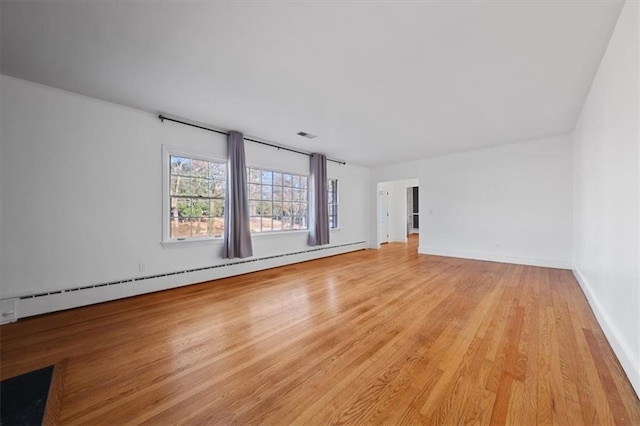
(285, 233)
(191, 243)
(218, 241)
(279, 233)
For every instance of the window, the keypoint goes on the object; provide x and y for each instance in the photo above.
(196, 197)
(332, 201)
(277, 201)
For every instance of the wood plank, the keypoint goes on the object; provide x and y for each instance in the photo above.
(55, 395)
(378, 336)
(616, 405)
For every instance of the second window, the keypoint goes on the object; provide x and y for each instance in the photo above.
(277, 201)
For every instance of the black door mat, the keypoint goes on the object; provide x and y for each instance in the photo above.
(23, 398)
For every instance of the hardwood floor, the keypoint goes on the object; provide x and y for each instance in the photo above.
(385, 336)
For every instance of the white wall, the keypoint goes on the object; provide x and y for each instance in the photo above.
(606, 252)
(510, 203)
(82, 193)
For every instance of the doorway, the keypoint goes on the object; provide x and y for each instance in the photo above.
(413, 212)
(396, 218)
(383, 214)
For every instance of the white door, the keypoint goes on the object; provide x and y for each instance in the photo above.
(383, 216)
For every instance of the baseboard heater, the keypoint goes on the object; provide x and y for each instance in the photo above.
(74, 290)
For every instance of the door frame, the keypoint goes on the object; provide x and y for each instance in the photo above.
(383, 214)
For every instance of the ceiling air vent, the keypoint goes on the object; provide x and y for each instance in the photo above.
(307, 135)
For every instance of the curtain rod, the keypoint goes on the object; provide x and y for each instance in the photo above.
(162, 118)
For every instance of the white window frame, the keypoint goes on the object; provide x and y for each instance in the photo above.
(336, 203)
(167, 153)
(278, 231)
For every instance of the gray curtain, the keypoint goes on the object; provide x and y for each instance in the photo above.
(318, 206)
(237, 234)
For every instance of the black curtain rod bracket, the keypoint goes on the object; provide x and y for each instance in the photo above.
(278, 147)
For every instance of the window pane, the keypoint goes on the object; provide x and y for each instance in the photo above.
(199, 227)
(287, 209)
(188, 186)
(216, 227)
(200, 208)
(267, 192)
(180, 165)
(277, 178)
(254, 192)
(287, 179)
(286, 222)
(303, 181)
(218, 188)
(180, 228)
(286, 194)
(255, 224)
(217, 208)
(174, 185)
(298, 223)
(277, 224)
(265, 208)
(180, 185)
(200, 168)
(296, 181)
(277, 209)
(201, 187)
(173, 210)
(254, 176)
(254, 208)
(184, 207)
(217, 171)
(266, 224)
(277, 193)
(267, 177)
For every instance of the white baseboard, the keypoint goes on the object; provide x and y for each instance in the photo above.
(492, 257)
(630, 365)
(66, 299)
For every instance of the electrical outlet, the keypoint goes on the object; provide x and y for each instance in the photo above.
(142, 267)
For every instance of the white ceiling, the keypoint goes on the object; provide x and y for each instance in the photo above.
(381, 82)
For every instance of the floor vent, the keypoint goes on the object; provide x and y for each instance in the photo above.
(186, 271)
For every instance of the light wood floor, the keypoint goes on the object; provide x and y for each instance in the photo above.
(384, 336)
